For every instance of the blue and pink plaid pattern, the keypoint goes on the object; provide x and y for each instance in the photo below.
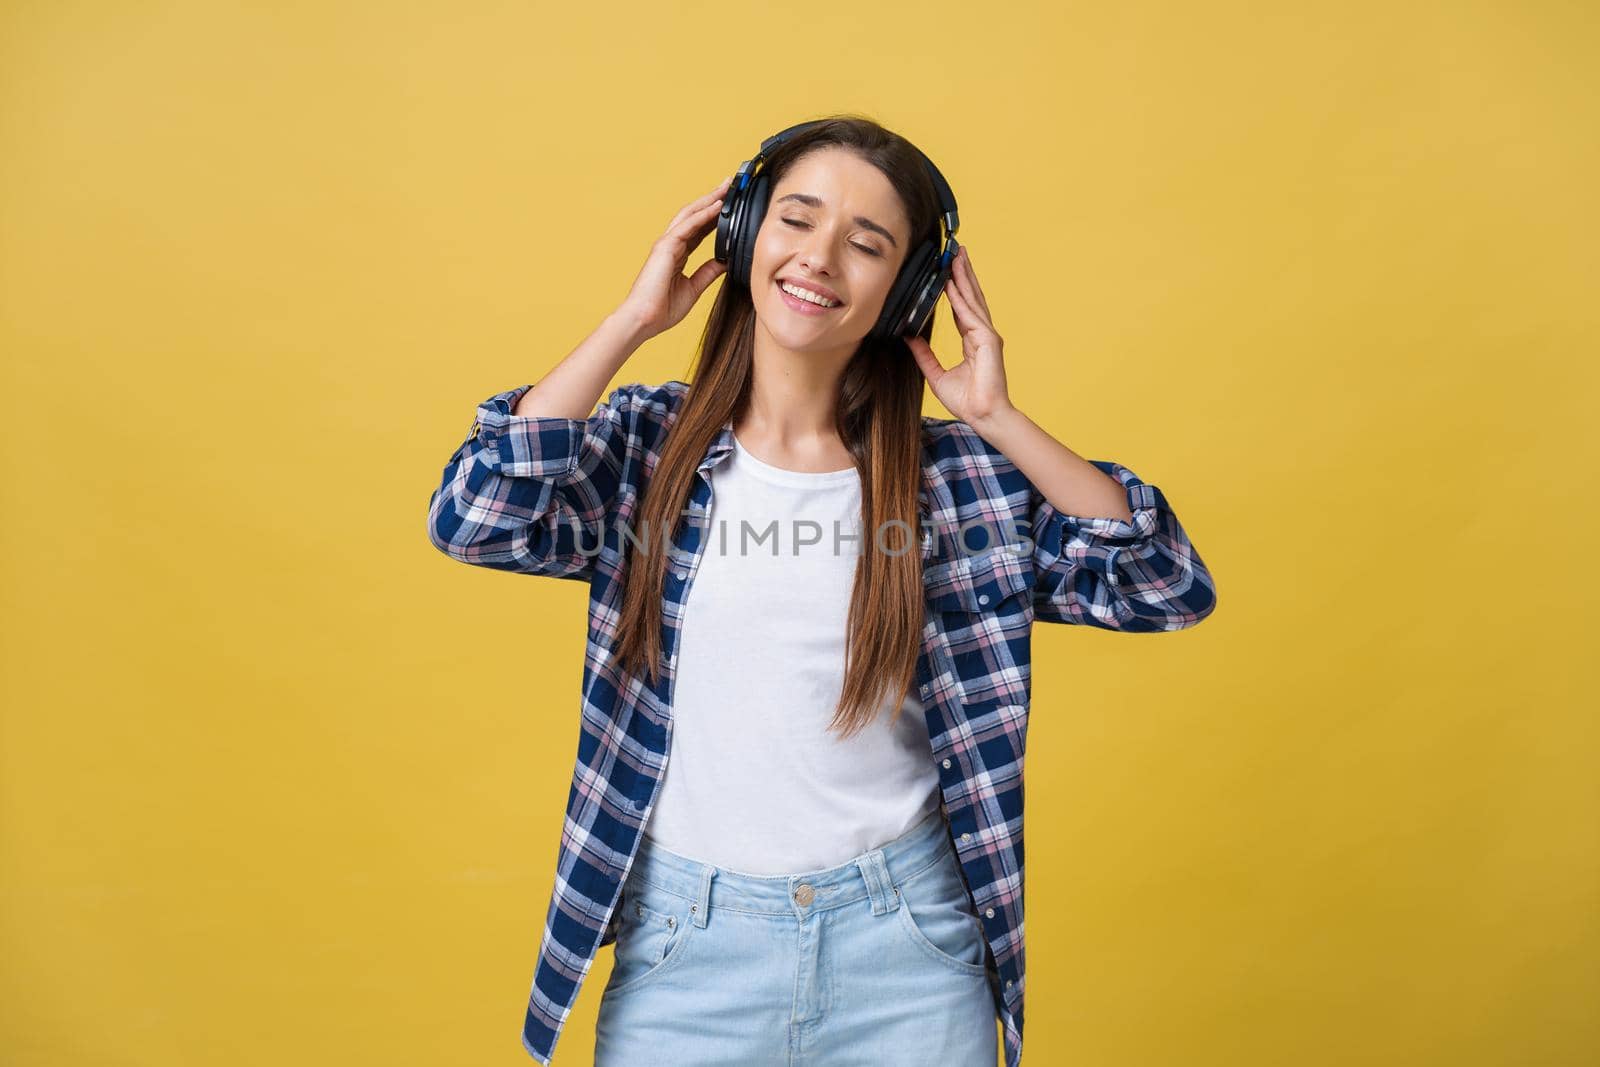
(551, 496)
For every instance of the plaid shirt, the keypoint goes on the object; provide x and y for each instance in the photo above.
(533, 495)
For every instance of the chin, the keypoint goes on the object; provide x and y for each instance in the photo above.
(783, 328)
(797, 340)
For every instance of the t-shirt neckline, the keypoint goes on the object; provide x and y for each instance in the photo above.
(784, 476)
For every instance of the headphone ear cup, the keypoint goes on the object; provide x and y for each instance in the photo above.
(746, 225)
(924, 300)
(728, 224)
(910, 281)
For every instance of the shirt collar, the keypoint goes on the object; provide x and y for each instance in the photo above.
(721, 445)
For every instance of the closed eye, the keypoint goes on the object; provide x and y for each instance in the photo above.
(806, 226)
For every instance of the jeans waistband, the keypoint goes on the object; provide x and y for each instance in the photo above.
(872, 875)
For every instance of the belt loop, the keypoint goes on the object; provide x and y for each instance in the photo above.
(702, 901)
(891, 898)
(879, 888)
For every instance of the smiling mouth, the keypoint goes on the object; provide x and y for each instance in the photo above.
(800, 304)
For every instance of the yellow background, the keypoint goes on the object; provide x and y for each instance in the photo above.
(283, 784)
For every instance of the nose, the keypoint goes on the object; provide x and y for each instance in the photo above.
(815, 254)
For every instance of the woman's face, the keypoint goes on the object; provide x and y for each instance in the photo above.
(834, 226)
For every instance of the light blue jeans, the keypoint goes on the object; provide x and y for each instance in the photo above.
(877, 962)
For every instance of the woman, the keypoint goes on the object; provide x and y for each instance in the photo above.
(829, 866)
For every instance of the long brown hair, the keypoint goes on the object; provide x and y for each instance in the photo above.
(878, 416)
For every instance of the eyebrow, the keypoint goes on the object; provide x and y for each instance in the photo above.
(860, 220)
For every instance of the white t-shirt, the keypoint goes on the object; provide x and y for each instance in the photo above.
(755, 782)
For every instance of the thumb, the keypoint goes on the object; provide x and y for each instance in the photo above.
(705, 274)
(922, 352)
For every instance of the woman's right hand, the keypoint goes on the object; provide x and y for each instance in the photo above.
(661, 296)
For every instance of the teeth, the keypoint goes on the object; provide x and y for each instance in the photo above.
(807, 294)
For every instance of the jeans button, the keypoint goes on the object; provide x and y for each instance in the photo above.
(803, 895)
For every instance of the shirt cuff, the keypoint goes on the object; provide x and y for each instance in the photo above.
(1097, 541)
(526, 446)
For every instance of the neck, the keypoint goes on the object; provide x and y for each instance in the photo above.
(792, 399)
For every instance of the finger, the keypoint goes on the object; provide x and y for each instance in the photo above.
(705, 274)
(956, 285)
(706, 220)
(927, 362)
(697, 224)
(973, 287)
(716, 194)
(966, 285)
(966, 320)
(977, 329)
(699, 203)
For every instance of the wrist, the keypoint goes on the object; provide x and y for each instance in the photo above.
(628, 327)
(997, 422)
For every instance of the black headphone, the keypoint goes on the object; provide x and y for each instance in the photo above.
(916, 288)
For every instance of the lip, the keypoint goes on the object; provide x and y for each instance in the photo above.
(806, 307)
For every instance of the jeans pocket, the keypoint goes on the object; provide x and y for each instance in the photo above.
(936, 915)
(654, 927)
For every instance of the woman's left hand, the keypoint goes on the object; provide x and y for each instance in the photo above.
(975, 389)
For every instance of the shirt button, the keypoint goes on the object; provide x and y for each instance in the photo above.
(803, 895)
(683, 576)
(984, 599)
(988, 913)
(1008, 983)
(947, 764)
(966, 837)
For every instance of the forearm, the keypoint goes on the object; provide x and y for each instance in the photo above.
(1068, 481)
(572, 388)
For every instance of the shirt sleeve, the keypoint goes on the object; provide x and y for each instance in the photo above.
(534, 494)
(1139, 577)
